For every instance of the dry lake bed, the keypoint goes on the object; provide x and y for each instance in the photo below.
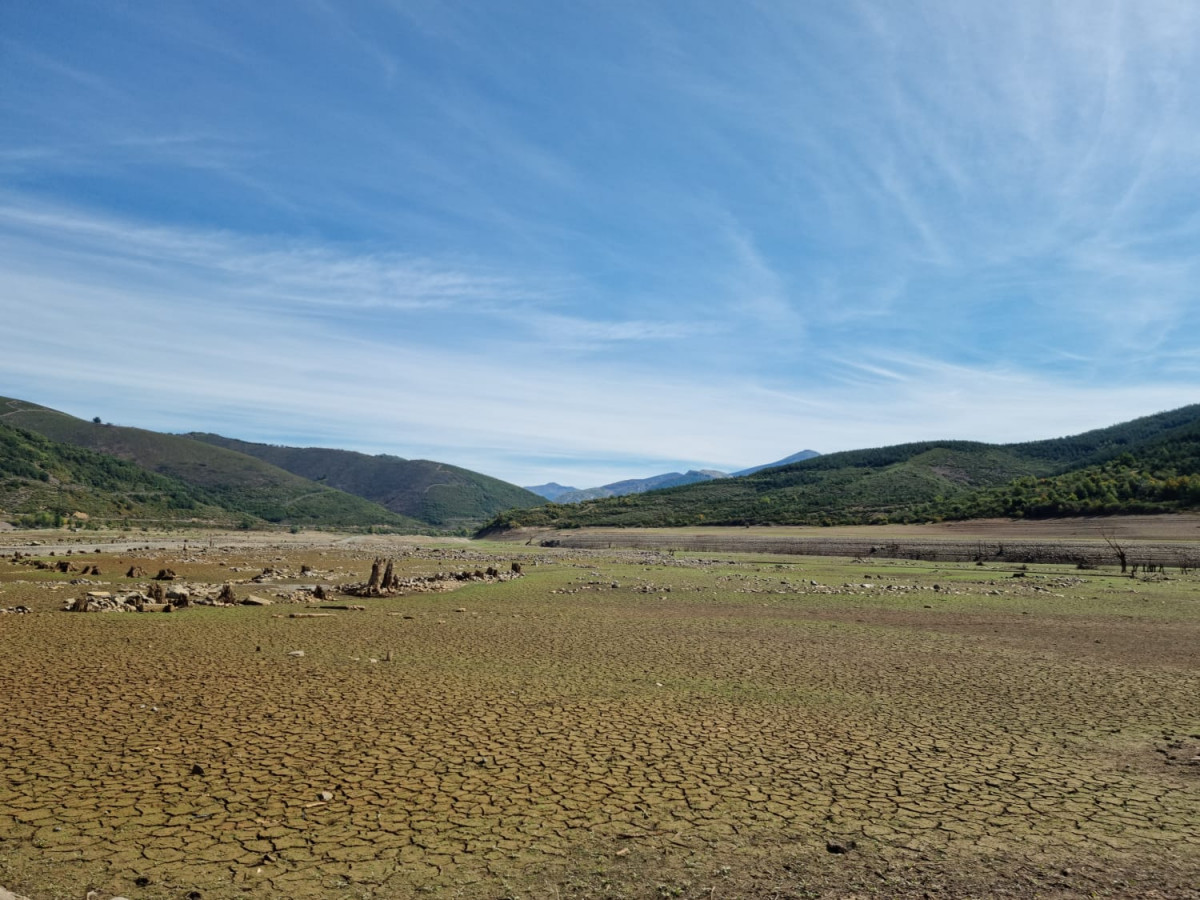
(615, 722)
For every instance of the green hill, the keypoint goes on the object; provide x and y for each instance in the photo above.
(223, 478)
(1144, 476)
(1148, 464)
(433, 492)
(43, 482)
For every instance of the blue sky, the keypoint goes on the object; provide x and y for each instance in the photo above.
(587, 241)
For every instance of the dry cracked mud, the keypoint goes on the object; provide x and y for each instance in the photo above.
(613, 724)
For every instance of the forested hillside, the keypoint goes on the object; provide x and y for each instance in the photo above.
(1146, 465)
(440, 494)
(232, 481)
(45, 483)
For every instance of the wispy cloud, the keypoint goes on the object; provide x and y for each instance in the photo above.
(602, 236)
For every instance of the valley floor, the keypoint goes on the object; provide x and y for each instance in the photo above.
(1166, 540)
(618, 722)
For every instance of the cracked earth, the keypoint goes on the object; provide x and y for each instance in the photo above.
(614, 723)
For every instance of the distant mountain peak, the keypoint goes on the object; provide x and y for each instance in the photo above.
(786, 461)
(640, 485)
(551, 490)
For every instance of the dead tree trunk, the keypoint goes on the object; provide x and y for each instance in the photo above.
(1116, 548)
(373, 582)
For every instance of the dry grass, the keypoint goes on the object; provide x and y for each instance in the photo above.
(615, 724)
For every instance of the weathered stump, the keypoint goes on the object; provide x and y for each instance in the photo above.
(373, 581)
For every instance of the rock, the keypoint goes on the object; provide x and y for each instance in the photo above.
(256, 601)
(295, 653)
(840, 846)
(165, 575)
(325, 796)
(197, 769)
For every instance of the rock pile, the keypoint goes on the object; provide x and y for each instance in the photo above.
(153, 599)
(388, 584)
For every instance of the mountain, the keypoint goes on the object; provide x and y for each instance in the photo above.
(640, 485)
(787, 460)
(45, 483)
(551, 490)
(1145, 465)
(556, 493)
(216, 477)
(433, 492)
